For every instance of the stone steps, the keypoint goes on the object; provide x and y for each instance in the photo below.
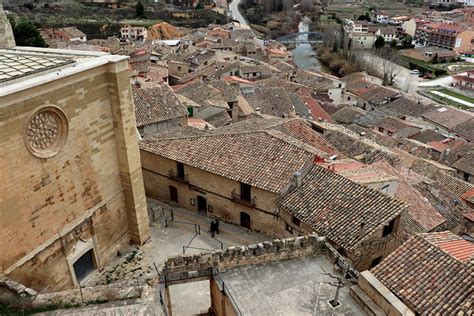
(366, 302)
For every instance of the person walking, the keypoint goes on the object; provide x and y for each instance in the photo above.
(216, 226)
(213, 228)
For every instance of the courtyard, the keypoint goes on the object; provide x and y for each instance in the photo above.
(175, 231)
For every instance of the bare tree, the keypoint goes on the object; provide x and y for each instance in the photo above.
(390, 68)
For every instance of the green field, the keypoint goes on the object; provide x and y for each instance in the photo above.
(457, 95)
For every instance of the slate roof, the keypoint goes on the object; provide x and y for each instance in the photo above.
(428, 277)
(156, 103)
(407, 107)
(447, 117)
(335, 207)
(265, 159)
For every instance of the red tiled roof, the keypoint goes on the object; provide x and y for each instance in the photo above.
(460, 249)
(427, 278)
(470, 216)
(464, 78)
(438, 146)
(468, 196)
(317, 112)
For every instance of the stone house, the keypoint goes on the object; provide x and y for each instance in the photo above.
(465, 81)
(398, 285)
(72, 195)
(232, 173)
(362, 223)
(395, 128)
(157, 108)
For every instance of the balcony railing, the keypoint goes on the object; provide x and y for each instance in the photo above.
(236, 197)
(174, 175)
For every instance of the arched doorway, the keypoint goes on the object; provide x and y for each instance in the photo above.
(245, 220)
(173, 194)
(202, 205)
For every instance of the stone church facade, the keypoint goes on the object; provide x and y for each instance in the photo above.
(71, 185)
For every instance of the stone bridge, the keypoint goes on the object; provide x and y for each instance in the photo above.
(302, 38)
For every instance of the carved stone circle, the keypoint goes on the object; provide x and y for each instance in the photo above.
(46, 132)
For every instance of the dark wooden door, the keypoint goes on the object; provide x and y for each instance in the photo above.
(202, 205)
(245, 220)
(173, 194)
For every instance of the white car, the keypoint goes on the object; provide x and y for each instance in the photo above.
(415, 72)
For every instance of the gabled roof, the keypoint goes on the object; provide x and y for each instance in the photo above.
(447, 117)
(466, 129)
(219, 119)
(427, 136)
(457, 186)
(203, 94)
(431, 274)
(155, 103)
(421, 211)
(335, 207)
(263, 159)
(271, 101)
(391, 124)
(347, 114)
(466, 164)
(407, 107)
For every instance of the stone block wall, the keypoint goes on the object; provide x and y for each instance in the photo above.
(94, 178)
(6, 34)
(215, 189)
(188, 266)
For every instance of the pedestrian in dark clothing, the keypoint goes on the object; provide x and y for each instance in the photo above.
(213, 229)
(216, 226)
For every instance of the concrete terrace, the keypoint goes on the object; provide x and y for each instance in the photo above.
(139, 262)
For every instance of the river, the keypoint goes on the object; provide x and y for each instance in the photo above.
(304, 55)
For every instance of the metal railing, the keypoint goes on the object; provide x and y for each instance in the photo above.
(225, 290)
(236, 197)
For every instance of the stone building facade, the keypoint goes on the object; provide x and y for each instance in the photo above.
(71, 180)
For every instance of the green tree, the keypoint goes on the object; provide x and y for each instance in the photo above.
(26, 34)
(379, 42)
(406, 41)
(393, 43)
(140, 10)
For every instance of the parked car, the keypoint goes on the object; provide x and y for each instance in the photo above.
(415, 72)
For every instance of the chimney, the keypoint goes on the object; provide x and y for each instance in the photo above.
(362, 228)
(6, 34)
(297, 179)
(318, 160)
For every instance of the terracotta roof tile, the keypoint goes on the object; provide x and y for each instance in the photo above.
(265, 159)
(427, 278)
(335, 206)
(155, 103)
